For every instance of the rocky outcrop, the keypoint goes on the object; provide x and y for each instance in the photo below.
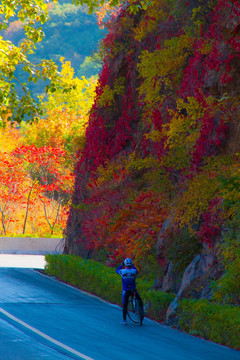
(171, 280)
(196, 281)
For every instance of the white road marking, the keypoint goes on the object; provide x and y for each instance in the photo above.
(46, 337)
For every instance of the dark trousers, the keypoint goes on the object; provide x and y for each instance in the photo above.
(125, 298)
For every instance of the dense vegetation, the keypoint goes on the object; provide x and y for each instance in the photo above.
(158, 177)
(155, 161)
(37, 160)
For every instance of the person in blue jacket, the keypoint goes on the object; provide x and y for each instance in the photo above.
(128, 272)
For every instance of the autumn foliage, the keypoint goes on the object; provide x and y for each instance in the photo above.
(160, 142)
(37, 160)
(35, 188)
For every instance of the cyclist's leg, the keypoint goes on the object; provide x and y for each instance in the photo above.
(125, 295)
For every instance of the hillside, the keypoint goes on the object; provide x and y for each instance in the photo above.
(158, 179)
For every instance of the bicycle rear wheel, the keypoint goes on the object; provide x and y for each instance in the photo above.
(134, 311)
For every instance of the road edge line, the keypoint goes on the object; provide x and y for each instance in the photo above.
(67, 350)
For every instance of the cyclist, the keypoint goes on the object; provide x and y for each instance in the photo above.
(128, 272)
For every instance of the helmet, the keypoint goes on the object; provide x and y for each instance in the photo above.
(128, 262)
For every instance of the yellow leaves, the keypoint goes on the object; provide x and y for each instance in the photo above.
(9, 138)
(136, 5)
(114, 172)
(230, 183)
(136, 163)
(161, 68)
(107, 97)
(204, 187)
(193, 108)
(182, 132)
(76, 94)
(195, 200)
(108, 94)
(156, 12)
(155, 135)
(67, 115)
(61, 129)
(10, 55)
(183, 126)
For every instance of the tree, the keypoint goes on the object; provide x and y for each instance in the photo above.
(67, 114)
(135, 5)
(17, 102)
(12, 187)
(51, 182)
(91, 66)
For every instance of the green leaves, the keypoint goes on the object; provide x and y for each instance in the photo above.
(17, 102)
(211, 321)
(134, 7)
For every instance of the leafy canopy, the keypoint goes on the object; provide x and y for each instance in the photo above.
(16, 99)
(135, 5)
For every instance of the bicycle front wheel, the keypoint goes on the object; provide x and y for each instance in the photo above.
(134, 311)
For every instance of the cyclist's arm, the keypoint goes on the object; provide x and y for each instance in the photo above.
(118, 269)
(133, 267)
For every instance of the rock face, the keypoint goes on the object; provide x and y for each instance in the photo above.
(165, 115)
(196, 281)
(195, 274)
(171, 280)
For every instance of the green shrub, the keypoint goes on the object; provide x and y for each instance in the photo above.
(156, 303)
(227, 289)
(88, 275)
(100, 280)
(218, 323)
(181, 248)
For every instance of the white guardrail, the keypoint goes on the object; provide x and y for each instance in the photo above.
(31, 246)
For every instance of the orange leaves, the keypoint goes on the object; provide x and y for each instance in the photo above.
(12, 189)
(134, 229)
(103, 13)
(9, 137)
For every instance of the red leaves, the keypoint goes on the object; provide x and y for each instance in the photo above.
(29, 173)
(212, 222)
(225, 78)
(124, 127)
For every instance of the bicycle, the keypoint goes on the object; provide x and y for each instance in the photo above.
(134, 310)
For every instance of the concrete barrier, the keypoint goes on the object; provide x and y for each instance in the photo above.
(31, 246)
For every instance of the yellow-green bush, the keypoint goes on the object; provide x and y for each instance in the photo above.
(227, 289)
(88, 275)
(218, 323)
(156, 303)
(100, 280)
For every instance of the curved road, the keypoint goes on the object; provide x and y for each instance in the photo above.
(42, 318)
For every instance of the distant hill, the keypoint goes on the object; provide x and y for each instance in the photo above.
(70, 33)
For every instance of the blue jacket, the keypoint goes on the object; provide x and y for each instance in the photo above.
(128, 276)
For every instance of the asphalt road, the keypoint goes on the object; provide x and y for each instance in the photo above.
(42, 318)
